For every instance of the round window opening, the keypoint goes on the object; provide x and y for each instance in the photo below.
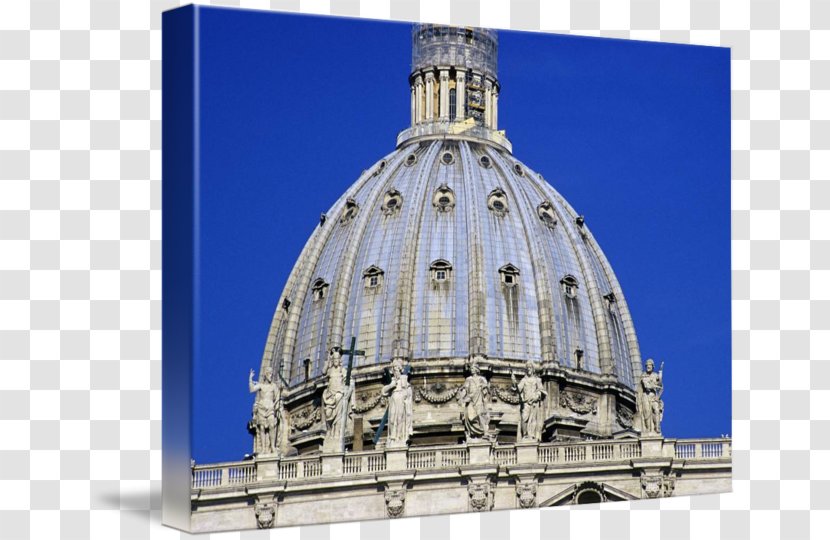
(447, 158)
(392, 203)
(498, 205)
(443, 200)
(382, 165)
(410, 160)
(518, 169)
(485, 162)
(588, 496)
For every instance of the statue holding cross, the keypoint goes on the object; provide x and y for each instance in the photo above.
(338, 396)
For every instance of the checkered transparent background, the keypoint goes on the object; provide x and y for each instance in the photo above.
(80, 283)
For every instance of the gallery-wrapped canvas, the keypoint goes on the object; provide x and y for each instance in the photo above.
(374, 307)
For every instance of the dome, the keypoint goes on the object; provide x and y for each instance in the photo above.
(450, 248)
(447, 250)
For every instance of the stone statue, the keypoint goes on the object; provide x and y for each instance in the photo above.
(531, 394)
(649, 392)
(473, 398)
(266, 413)
(334, 401)
(399, 394)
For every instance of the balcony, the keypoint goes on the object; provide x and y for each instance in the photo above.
(450, 458)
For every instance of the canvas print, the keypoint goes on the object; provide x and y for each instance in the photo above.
(375, 306)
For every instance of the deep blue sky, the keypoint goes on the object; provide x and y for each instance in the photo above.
(635, 135)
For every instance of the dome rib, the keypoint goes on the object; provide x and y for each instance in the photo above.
(627, 320)
(339, 307)
(540, 270)
(596, 302)
(403, 302)
(299, 281)
(476, 297)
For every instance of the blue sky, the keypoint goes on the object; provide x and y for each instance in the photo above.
(635, 135)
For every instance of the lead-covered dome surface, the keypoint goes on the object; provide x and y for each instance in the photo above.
(449, 248)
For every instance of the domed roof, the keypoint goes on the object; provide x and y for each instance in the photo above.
(450, 248)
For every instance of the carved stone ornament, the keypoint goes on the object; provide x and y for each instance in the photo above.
(305, 418)
(481, 497)
(506, 394)
(265, 515)
(578, 402)
(526, 493)
(395, 499)
(668, 484)
(657, 484)
(625, 417)
(365, 403)
(593, 489)
(437, 393)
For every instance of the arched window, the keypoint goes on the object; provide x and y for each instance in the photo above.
(440, 270)
(349, 212)
(373, 277)
(452, 104)
(497, 202)
(443, 199)
(509, 275)
(546, 214)
(319, 289)
(392, 202)
(569, 286)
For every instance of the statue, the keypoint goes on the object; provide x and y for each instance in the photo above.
(531, 393)
(473, 400)
(399, 394)
(334, 400)
(266, 417)
(649, 392)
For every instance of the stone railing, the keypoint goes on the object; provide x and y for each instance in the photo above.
(702, 448)
(589, 452)
(223, 474)
(437, 457)
(296, 468)
(460, 129)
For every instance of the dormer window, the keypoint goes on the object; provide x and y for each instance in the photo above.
(381, 166)
(518, 169)
(485, 162)
(372, 277)
(497, 202)
(447, 158)
(509, 275)
(443, 199)
(440, 270)
(319, 289)
(349, 212)
(546, 214)
(411, 159)
(569, 286)
(392, 202)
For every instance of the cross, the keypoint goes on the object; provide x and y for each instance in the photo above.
(385, 418)
(351, 352)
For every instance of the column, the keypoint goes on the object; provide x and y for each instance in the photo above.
(412, 117)
(460, 98)
(430, 97)
(419, 99)
(444, 95)
(488, 103)
(495, 111)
